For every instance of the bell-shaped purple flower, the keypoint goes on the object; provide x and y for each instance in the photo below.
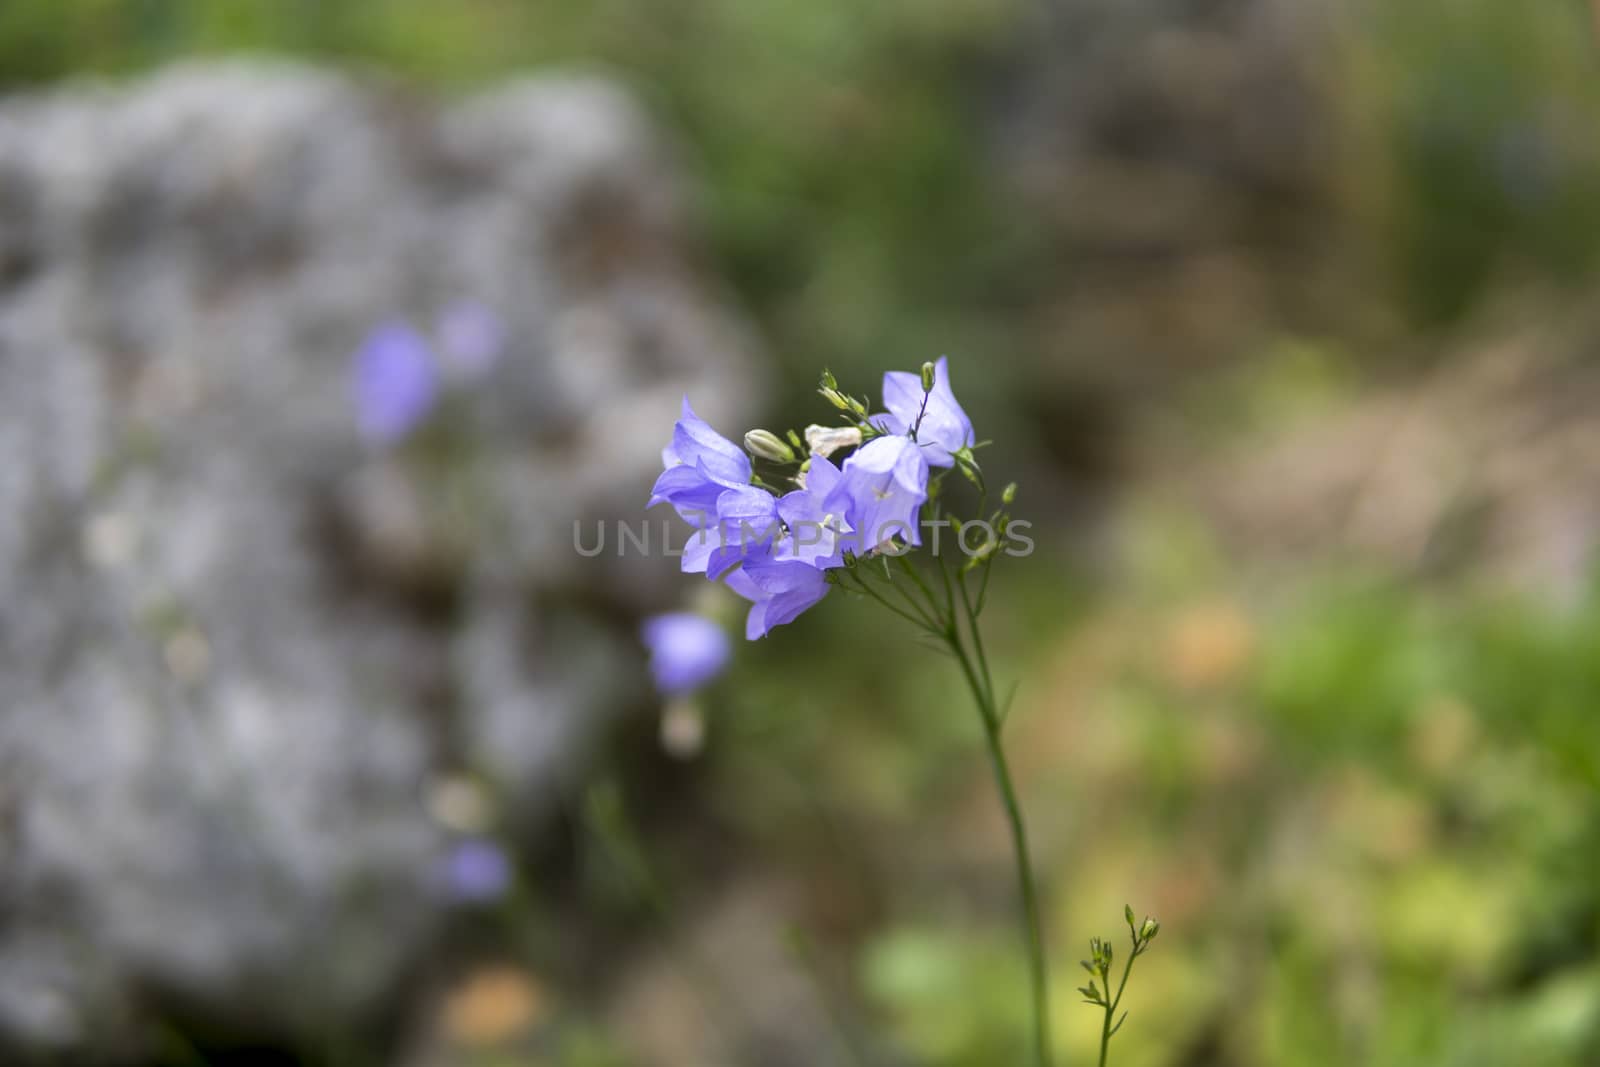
(885, 483)
(394, 383)
(780, 591)
(816, 518)
(686, 651)
(943, 428)
(701, 465)
(746, 525)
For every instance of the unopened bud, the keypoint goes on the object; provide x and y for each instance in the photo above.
(794, 440)
(1149, 930)
(826, 440)
(834, 397)
(928, 372)
(1007, 495)
(1127, 909)
(767, 445)
(829, 381)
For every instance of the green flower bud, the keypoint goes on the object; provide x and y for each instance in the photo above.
(1100, 952)
(765, 444)
(1149, 930)
(1127, 909)
(1007, 495)
(928, 372)
(834, 397)
(828, 380)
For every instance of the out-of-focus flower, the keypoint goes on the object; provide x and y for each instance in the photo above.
(687, 651)
(942, 428)
(477, 870)
(701, 465)
(395, 383)
(886, 483)
(683, 729)
(460, 804)
(495, 1006)
(471, 339)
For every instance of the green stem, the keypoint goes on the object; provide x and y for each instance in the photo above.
(1111, 1005)
(863, 586)
(1038, 971)
(946, 626)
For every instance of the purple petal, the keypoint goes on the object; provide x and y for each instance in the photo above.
(694, 441)
(784, 589)
(943, 428)
(883, 486)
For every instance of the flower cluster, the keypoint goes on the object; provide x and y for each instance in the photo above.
(776, 549)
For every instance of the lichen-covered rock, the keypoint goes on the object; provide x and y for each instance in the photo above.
(238, 642)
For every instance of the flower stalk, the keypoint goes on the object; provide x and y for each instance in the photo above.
(952, 619)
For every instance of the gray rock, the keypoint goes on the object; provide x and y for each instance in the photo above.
(238, 643)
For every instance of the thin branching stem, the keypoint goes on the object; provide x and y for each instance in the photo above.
(1106, 1029)
(863, 586)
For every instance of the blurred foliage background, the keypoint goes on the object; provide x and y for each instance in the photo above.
(1260, 302)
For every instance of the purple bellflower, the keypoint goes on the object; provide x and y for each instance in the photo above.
(816, 518)
(686, 651)
(943, 427)
(886, 484)
(747, 526)
(701, 465)
(394, 384)
(780, 590)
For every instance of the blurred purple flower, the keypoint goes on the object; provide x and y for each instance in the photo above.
(471, 340)
(886, 483)
(944, 428)
(395, 383)
(686, 651)
(476, 870)
(700, 464)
